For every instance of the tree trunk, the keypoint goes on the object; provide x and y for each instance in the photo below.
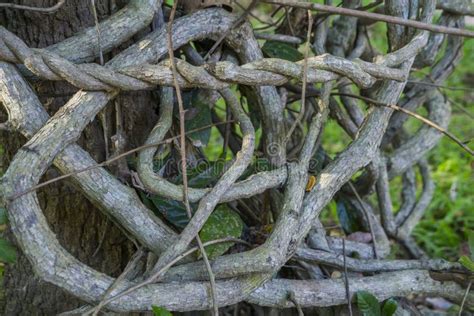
(79, 226)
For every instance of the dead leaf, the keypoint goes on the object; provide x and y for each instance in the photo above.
(311, 183)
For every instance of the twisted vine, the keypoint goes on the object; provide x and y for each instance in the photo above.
(138, 68)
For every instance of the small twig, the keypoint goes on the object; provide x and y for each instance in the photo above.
(423, 83)
(292, 298)
(102, 238)
(103, 112)
(111, 160)
(367, 218)
(419, 117)
(376, 17)
(346, 279)
(237, 22)
(182, 128)
(464, 298)
(97, 29)
(459, 107)
(279, 38)
(52, 9)
(305, 75)
(162, 271)
(274, 24)
(131, 265)
(227, 132)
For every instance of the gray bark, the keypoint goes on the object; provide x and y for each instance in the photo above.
(78, 224)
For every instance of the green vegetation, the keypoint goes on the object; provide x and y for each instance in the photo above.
(450, 216)
(368, 305)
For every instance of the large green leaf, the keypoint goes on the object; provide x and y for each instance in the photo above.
(467, 263)
(160, 311)
(198, 115)
(7, 251)
(204, 175)
(222, 223)
(368, 304)
(173, 211)
(389, 307)
(281, 50)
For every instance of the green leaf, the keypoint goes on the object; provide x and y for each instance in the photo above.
(389, 307)
(7, 251)
(160, 311)
(347, 215)
(222, 223)
(281, 50)
(3, 216)
(368, 304)
(173, 211)
(198, 115)
(467, 263)
(204, 175)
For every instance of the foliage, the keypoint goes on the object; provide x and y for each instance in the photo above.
(449, 216)
(468, 261)
(222, 223)
(160, 311)
(369, 305)
(274, 49)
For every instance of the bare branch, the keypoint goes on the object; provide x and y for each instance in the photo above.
(375, 17)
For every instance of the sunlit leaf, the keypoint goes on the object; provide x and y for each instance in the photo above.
(160, 311)
(222, 223)
(467, 263)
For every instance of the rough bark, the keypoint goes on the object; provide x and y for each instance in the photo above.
(79, 226)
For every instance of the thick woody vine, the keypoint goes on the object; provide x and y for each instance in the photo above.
(380, 147)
